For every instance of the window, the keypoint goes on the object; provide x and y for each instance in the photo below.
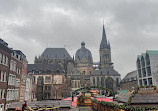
(6, 61)
(0, 58)
(139, 73)
(138, 63)
(143, 62)
(1, 107)
(57, 79)
(3, 59)
(144, 72)
(2, 76)
(150, 81)
(5, 74)
(17, 82)
(117, 81)
(47, 79)
(147, 60)
(98, 81)
(145, 82)
(3, 94)
(149, 71)
(140, 83)
(102, 81)
(94, 81)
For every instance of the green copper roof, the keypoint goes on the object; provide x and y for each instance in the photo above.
(152, 52)
(143, 54)
(139, 57)
(124, 91)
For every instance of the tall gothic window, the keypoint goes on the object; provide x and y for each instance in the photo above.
(102, 81)
(93, 81)
(98, 81)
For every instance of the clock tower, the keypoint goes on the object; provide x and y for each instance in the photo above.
(105, 52)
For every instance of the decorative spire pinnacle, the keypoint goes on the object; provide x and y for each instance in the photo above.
(82, 44)
(103, 44)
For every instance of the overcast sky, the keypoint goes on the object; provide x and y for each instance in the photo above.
(32, 25)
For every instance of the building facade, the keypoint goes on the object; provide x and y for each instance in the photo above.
(147, 66)
(56, 56)
(14, 78)
(50, 81)
(23, 76)
(129, 82)
(5, 57)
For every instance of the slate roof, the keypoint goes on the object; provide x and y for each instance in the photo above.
(145, 98)
(110, 71)
(55, 53)
(123, 96)
(130, 76)
(45, 68)
(104, 43)
(4, 45)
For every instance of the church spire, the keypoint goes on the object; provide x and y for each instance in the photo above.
(103, 43)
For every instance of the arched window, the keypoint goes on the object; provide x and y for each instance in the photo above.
(93, 81)
(98, 81)
(102, 81)
(117, 81)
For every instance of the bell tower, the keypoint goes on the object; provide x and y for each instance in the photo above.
(105, 52)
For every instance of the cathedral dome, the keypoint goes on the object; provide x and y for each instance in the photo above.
(83, 55)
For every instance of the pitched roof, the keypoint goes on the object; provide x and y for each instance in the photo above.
(145, 98)
(45, 68)
(104, 43)
(130, 76)
(110, 71)
(123, 96)
(55, 53)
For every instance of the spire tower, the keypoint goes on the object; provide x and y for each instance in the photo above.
(105, 51)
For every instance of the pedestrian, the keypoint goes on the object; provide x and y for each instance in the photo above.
(24, 106)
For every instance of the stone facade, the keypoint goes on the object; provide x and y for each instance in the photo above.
(129, 82)
(56, 56)
(105, 52)
(50, 81)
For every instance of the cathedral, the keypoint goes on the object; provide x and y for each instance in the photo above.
(77, 72)
(86, 73)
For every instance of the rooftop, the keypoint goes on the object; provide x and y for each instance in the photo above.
(55, 53)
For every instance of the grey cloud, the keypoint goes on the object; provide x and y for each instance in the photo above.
(32, 25)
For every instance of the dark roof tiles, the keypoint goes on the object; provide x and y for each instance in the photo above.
(143, 98)
(55, 53)
(44, 67)
(110, 71)
(130, 76)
